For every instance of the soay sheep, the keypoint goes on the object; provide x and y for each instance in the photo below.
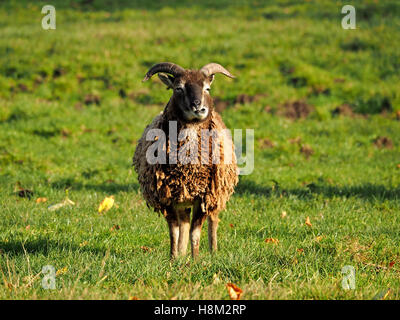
(205, 183)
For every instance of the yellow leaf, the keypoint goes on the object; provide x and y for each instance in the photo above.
(234, 291)
(318, 238)
(84, 243)
(106, 204)
(61, 271)
(284, 214)
(308, 222)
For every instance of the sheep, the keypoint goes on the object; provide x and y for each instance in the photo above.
(176, 188)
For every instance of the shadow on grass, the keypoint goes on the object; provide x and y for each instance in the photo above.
(106, 187)
(44, 246)
(366, 191)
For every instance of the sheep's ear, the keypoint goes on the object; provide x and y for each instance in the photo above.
(167, 80)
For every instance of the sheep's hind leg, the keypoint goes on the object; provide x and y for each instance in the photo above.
(212, 232)
(195, 229)
(184, 226)
(173, 225)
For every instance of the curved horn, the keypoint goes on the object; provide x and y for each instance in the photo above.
(213, 68)
(167, 67)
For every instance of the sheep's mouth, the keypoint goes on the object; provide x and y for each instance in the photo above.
(199, 113)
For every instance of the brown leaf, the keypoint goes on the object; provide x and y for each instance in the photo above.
(115, 227)
(391, 264)
(145, 249)
(231, 225)
(308, 222)
(234, 291)
(133, 298)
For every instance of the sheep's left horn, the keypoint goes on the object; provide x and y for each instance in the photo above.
(167, 67)
(213, 68)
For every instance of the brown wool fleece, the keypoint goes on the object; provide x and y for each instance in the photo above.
(166, 185)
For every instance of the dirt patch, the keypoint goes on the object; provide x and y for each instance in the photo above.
(296, 140)
(92, 99)
(383, 143)
(295, 110)
(306, 150)
(320, 90)
(265, 143)
(339, 80)
(245, 98)
(219, 104)
(344, 110)
(58, 72)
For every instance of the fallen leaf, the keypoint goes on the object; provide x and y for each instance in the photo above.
(318, 238)
(106, 204)
(61, 271)
(398, 166)
(283, 214)
(57, 206)
(133, 298)
(308, 222)
(115, 227)
(83, 244)
(145, 249)
(272, 240)
(234, 291)
(391, 264)
(231, 225)
(300, 250)
(41, 200)
(28, 227)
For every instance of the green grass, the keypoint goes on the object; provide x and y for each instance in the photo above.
(72, 107)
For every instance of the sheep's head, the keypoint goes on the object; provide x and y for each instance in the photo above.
(191, 98)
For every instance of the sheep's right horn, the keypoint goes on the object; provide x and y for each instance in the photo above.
(213, 68)
(167, 67)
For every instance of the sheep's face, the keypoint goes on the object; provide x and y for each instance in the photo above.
(191, 95)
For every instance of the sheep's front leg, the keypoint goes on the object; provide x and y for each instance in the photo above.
(173, 225)
(212, 232)
(184, 226)
(195, 229)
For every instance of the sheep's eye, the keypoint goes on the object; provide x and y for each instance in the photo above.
(208, 89)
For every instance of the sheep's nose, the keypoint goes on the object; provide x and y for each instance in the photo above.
(196, 102)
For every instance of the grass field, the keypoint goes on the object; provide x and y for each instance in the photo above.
(323, 104)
